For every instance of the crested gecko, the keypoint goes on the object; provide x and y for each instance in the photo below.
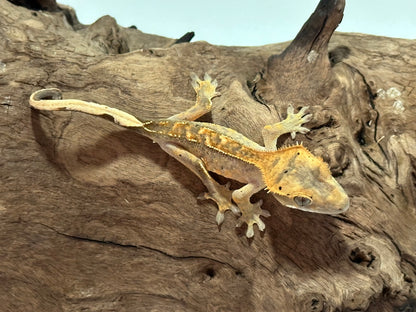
(294, 176)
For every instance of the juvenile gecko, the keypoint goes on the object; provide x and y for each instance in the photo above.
(294, 176)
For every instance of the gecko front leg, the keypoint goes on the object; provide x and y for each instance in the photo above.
(205, 91)
(221, 194)
(250, 213)
(292, 124)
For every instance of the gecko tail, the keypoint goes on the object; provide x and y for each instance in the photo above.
(51, 99)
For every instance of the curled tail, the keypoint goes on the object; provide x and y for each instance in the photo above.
(51, 99)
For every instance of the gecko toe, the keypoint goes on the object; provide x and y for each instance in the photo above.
(250, 231)
(293, 135)
(307, 118)
(260, 224)
(303, 110)
(265, 213)
(235, 210)
(203, 196)
(220, 217)
(195, 81)
(207, 77)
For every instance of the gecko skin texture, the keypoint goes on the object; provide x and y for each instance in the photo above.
(293, 175)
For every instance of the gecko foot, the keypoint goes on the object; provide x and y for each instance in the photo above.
(222, 196)
(294, 122)
(204, 88)
(251, 215)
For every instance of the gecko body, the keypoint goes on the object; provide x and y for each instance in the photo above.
(294, 176)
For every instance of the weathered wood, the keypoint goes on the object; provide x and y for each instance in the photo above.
(97, 218)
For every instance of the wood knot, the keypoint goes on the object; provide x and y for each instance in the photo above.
(364, 257)
(313, 302)
(338, 54)
(336, 155)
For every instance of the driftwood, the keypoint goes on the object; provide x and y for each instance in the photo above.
(97, 218)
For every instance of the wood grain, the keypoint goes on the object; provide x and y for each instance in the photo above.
(97, 218)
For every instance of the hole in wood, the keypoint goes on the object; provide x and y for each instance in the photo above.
(362, 257)
(210, 272)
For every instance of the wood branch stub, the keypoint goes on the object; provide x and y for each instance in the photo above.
(304, 64)
(185, 38)
(316, 32)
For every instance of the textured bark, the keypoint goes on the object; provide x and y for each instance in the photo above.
(97, 218)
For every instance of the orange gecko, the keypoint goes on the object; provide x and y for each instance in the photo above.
(294, 176)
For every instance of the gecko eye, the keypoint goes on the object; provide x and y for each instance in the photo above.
(302, 201)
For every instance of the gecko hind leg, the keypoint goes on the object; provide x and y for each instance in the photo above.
(250, 213)
(221, 194)
(205, 91)
(292, 124)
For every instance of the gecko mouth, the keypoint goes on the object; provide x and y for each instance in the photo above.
(328, 211)
(339, 208)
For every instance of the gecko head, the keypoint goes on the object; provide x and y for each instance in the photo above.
(300, 180)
